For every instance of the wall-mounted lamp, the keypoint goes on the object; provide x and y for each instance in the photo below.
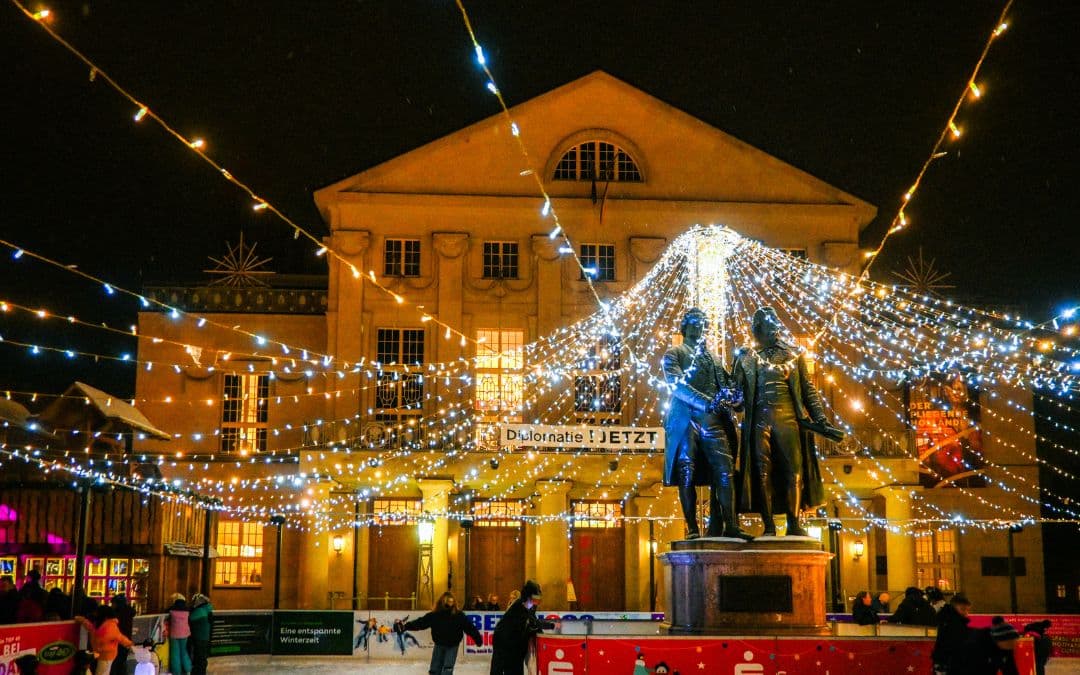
(652, 546)
(814, 531)
(858, 549)
(338, 542)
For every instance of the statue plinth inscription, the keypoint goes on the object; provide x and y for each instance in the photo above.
(726, 586)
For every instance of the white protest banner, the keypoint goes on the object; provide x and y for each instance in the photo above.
(581, 436)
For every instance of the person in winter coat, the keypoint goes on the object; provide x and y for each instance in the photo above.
(914, 610)
(105, 638)
(9, 600)
(952, 632)
(1043, 644)
(493, 603)
(861, 612)
(448, 625)
(988, 651)
(935, 597)
(125, 617)
(515, 631)
(178, 620)
(32, 599)
(200, 621)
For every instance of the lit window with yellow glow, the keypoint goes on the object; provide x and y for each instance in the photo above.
(499, 377)
(240, 550)
(598, 515)
(245, 413)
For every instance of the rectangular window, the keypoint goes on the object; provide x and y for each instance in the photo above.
(240, 551)
(500, 260)
(598, 391)
(597, 515)
(397, 511)
(598, 261)
(936, 560)
(401, 258)
(399, 395)
(499, 377)
(998, 566)
(244, 413)
(497, 513)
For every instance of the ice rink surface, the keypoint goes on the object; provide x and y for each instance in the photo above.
(324, 666)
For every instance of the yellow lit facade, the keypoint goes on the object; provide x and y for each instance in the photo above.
(456, 228)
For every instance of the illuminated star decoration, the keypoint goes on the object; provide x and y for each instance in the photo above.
(923, 277)
(239, 267)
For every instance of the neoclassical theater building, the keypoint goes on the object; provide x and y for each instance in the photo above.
(455, 229)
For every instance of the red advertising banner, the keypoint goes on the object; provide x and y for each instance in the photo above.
(54, 644)
(742, 656)
(1064, 630)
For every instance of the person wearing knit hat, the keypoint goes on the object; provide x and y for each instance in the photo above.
(515, 631)
(1043, 644)
(989, 651)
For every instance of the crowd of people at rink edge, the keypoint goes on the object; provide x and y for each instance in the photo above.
(109, 626)
(958, 648)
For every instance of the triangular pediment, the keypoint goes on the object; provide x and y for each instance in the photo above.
(682, 158)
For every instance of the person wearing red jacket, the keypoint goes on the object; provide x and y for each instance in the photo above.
(105, 638)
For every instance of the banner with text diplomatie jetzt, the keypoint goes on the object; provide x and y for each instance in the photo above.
(647, 439)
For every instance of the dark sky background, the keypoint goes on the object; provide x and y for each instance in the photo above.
(292, 96)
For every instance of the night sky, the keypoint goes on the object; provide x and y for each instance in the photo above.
(292, 96)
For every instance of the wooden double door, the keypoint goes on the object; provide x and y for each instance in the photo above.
(598, 569)
(393, 560)
(496, 562)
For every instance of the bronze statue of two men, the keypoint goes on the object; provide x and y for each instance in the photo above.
(770, 467)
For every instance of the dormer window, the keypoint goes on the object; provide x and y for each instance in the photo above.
(598, 160)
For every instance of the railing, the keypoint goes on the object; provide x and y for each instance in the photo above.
(867, 444)
(381, 602)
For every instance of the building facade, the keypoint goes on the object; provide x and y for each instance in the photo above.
(454, 236)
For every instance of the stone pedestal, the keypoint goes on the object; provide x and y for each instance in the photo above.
(771, 585)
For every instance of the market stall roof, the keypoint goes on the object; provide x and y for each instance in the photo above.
(15, 416)
(116, 415)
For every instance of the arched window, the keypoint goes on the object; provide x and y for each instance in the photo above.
(597, 160)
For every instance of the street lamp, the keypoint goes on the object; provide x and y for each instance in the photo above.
(278, 520)
(652, 567)
(425, 571)
(1015, 528)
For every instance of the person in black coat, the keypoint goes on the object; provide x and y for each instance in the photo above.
(988, 651)
(861, 612)
(515, 631)
(448, 626)
(914, 610)
(952, 632)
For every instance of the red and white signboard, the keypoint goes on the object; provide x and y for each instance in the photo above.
(53, 643)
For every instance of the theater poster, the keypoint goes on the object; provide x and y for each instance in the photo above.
(943, 411)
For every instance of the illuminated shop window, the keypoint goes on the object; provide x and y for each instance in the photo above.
(597, 515)
(598, 160)
(244, 413)
(499, 377)
(240, 553)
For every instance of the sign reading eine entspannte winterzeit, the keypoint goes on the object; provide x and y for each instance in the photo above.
(581, 436)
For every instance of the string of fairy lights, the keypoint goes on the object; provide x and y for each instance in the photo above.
(927, 336)
(643, 321)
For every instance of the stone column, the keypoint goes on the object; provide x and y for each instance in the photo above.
(552, 543)
(313, 581)
(451, 248)
(638, 554)
(899, 547)
(436, 493)
(345, 334)
(549, 269)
